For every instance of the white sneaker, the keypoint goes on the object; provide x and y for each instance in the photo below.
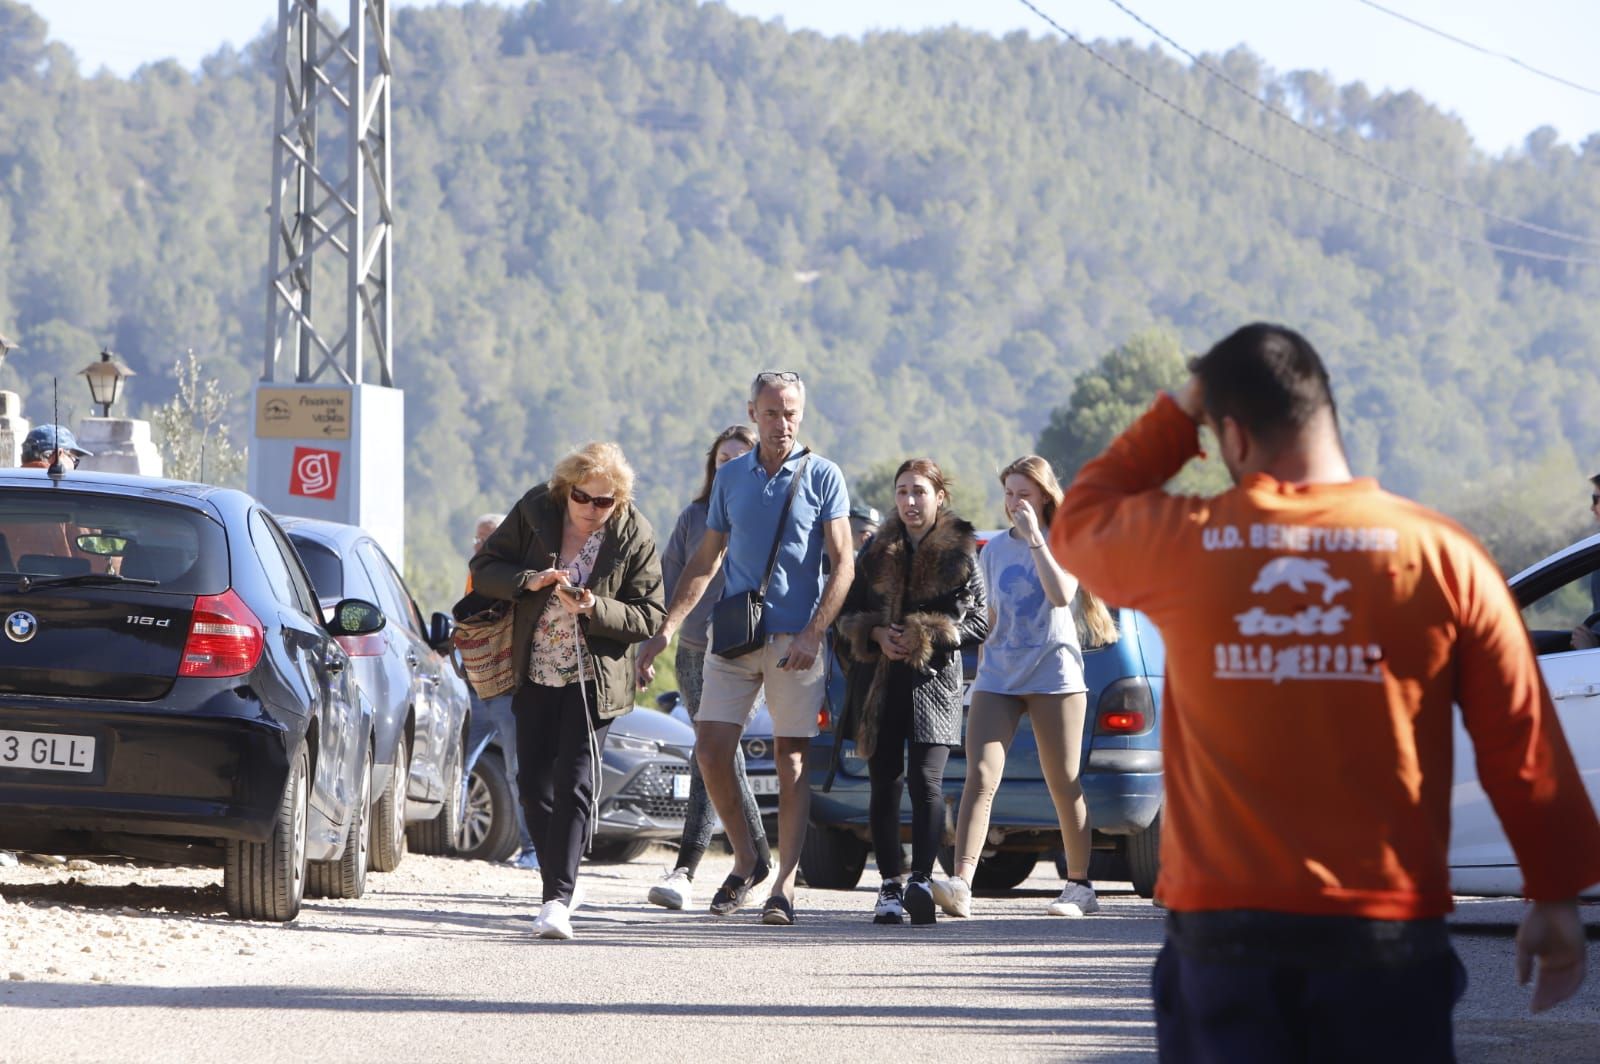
(555, 920)
(1075, 899)
(952, 895)
(675, 890)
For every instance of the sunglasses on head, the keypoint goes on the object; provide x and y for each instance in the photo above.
(600, 502)
(771, 376)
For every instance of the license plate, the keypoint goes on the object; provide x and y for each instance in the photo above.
(763, 784)
(46, 751)
(680, 787)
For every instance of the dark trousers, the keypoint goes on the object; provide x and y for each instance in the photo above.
(888, 769)
(558, 761)
(1243, 1013)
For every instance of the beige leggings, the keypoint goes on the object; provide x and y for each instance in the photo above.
(1058, 728)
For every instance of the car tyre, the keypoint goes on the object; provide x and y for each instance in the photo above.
(1144, 858)
(346, 876)
(389, 813)
(267, 880)
(832, 858)
(617, 851)
(489, 822)
(439, 835)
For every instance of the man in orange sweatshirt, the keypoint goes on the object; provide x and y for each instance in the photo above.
(1319, 631)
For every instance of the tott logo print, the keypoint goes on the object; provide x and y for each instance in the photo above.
(1284, 639)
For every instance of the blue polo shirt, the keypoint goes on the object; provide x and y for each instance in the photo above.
(745, 504)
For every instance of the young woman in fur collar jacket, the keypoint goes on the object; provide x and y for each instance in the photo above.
(917, 598)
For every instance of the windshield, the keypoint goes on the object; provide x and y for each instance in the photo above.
(47, 535)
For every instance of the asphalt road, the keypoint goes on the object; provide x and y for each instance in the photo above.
(438, 962)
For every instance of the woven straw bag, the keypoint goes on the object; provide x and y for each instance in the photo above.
(484, 640)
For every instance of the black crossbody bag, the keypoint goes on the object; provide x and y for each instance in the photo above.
(738, 622)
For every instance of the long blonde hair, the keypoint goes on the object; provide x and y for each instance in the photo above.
(1096, 626)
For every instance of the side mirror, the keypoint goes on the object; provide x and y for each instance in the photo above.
(441, 629)
(354, 616)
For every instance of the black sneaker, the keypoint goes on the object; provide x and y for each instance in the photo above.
(919, 899)
(889, 909)
(730, 897)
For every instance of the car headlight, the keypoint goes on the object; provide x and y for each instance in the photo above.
(628, 742)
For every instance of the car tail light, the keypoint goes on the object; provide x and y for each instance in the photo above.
(225, 638)
(824, 719)
(1126, 707)
(362, 646)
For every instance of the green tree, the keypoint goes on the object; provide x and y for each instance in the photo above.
(1107, 398)
(191, 429)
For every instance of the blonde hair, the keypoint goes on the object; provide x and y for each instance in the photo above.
(1037, 470)
(1096, 626)
(600, 459)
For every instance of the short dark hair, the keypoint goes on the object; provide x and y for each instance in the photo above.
(1268, 378)
(1595, 480)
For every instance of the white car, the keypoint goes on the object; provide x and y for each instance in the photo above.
(1556, 596)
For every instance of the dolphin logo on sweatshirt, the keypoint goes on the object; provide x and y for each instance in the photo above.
(1299, 574)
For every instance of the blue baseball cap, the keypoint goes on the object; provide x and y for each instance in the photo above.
(46, 439)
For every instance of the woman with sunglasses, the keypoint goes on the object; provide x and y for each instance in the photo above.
(674, 891)
(579, 563)
(1032, 664)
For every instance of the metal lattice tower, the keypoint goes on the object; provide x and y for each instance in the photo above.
(331, 195)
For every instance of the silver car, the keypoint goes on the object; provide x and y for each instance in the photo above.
(420, 702)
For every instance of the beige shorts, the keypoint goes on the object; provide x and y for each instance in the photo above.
(793, 698)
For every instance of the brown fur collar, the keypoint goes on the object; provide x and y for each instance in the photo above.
(942, 562)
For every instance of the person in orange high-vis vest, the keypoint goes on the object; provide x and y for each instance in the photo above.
(1319, 632)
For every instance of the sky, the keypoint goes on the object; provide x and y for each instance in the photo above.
(1499, 102)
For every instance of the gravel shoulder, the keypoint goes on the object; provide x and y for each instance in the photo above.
(438, 962)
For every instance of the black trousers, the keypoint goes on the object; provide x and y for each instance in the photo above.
(558, 770)
(888, 769)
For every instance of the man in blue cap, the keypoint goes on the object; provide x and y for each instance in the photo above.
(41, 447)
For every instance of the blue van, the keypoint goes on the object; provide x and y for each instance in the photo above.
(1121, 775)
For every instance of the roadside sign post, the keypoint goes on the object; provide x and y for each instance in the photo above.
(333, 452)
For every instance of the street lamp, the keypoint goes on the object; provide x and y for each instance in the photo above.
(105, 380)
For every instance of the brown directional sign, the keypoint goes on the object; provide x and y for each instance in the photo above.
(303, 413)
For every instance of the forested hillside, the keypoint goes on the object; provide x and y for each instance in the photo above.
(612, 214)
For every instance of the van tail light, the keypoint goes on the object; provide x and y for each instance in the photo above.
(225, 638)
(362, 646)
(824, 719)
(1126, 707)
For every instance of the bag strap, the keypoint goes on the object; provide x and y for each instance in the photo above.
(777, 540)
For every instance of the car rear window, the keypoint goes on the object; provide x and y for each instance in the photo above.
(327, 571)
(60, 533)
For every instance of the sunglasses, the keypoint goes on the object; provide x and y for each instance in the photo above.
(600, 502)
(770, 376)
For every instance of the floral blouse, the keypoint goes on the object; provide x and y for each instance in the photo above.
(556, 646)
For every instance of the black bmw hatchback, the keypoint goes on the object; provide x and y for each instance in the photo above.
(170, 690)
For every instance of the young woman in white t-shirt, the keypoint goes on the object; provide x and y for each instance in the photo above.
(1032, 663)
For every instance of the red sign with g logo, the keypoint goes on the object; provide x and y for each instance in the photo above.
(315, 473)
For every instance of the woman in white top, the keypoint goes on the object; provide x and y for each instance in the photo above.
(1032, 663)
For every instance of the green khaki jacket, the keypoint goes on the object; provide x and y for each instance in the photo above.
(626, 582)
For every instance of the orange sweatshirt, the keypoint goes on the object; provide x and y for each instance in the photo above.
(1317, 637)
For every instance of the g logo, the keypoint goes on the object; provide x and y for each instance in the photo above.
(21, 626)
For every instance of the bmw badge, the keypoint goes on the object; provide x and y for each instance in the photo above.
(21, 626)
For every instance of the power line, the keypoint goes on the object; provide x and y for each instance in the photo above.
(1557, 78)
(1364, 160)
(1328, 190)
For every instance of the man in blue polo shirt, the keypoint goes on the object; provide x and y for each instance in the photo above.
(747, 499)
